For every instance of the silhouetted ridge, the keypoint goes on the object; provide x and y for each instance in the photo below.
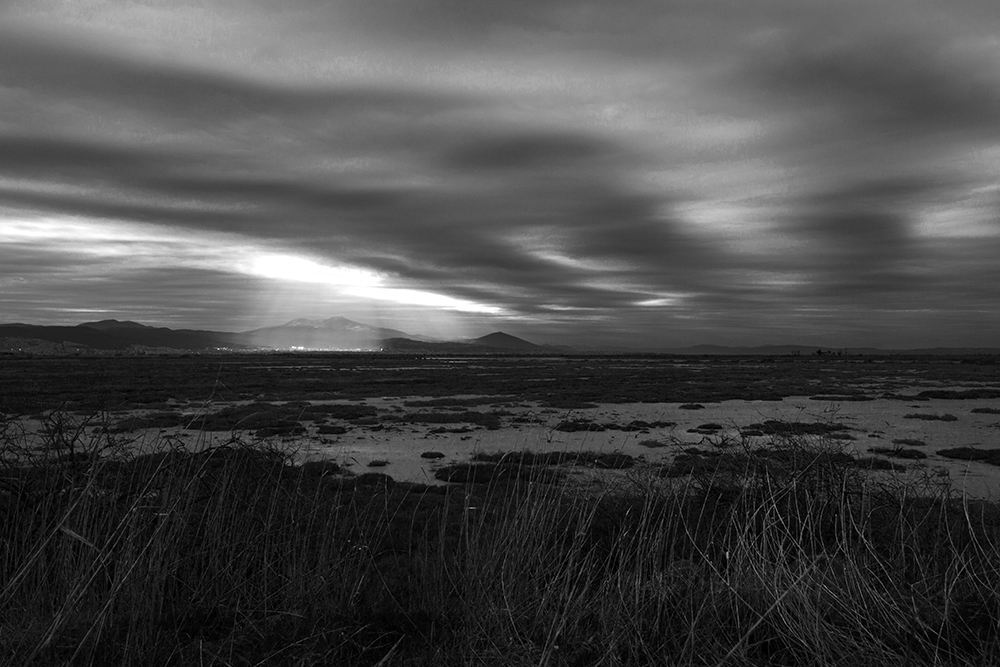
(110, 325)
(113, 335)
(505, 341)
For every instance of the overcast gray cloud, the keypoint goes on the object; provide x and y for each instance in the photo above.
(641, 172)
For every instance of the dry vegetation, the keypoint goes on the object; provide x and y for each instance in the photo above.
(233, 556)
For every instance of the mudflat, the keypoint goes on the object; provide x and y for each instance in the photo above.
(412, 417)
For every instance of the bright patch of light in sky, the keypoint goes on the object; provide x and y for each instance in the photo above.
(949, 223)
(413, 297)
(355, 282)
(659, 301)
(561, 259)
(118, 246)
(301, 269)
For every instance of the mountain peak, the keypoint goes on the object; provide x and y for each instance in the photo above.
(302, 322)
(105, 325)
(504, 340)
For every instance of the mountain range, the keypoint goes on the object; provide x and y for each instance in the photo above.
(340, 333)
(335, 333)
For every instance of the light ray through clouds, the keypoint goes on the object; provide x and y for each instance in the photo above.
(355, 282)
(109, 247)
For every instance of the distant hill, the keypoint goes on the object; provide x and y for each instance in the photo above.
(779, 350)
(504, 341)
(340, 333)
(410, 346)
(114, 325)
(496, 343)
(335, 333)
(115, 335)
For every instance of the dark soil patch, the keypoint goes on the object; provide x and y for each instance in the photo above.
(691, 406)
(986, 411)
(639, 425)
(961, 394)
(842, 398)
(912, 442)
(991, 456)
(578, 425)
(569, 404)
(931, 417)
(441, 429)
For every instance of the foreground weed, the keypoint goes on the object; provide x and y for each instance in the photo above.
(789, 555)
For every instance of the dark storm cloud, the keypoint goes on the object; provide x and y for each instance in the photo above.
(882, 127)
(48, 158)
(170, 176)
(82, 71)
(887, 192)
(861, 240)
(902, 84)
(735, 164)
(857, 236)
(646, 29)
(856, 243)
(528, 151)
(578, 185)
(107, 208)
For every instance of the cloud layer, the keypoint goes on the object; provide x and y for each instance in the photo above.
(640, 173)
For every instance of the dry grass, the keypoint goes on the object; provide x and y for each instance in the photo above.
(235, 557)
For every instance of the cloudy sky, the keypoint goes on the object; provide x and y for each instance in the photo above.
(639, 172)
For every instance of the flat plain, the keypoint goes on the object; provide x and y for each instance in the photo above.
(410, 416)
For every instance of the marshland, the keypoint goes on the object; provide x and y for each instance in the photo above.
(225, 510)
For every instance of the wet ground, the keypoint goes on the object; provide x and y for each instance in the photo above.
(410, 417)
